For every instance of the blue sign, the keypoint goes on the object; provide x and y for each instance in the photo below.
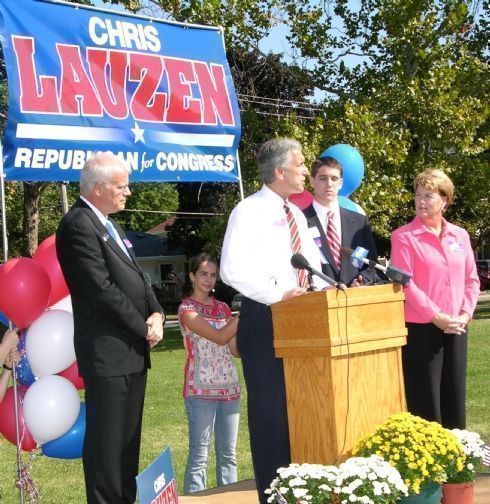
(81, 80)
(156, 484)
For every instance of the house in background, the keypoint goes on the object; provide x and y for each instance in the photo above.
(157, 260)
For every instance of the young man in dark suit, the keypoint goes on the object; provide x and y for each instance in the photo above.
(352, 229)
(117, 320)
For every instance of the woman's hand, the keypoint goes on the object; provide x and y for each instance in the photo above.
(13, 356)
(449, 324)
(11, 338)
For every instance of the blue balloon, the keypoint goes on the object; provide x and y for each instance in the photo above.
(70, 444)
(4, 320)
(348, 204)
(352, 165)
(25, 376)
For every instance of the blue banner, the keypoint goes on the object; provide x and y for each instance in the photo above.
(158, 94)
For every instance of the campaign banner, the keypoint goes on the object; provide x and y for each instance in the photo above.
(81, 80)
(156, 484)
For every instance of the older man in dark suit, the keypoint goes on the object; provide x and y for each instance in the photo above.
(117, 320)
(333, 227)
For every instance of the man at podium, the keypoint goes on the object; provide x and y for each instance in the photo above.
(263, 232)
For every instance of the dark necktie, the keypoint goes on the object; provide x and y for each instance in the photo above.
(295, 244)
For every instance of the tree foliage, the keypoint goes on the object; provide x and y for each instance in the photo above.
(405, 82)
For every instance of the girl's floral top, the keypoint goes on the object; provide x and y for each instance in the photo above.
(209, 369)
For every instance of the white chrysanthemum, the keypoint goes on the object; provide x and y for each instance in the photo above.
(300, 492)
(296, 482)
(472, 443)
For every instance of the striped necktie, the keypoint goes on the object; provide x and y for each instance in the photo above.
(296, 244)
(112, 231)
(333, 238)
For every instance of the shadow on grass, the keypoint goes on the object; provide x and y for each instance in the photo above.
(483, 308)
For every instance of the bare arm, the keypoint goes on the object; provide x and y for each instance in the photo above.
(10, 340)
(232, 345)
(199, 326)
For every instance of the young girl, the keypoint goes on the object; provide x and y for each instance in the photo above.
(211, 388)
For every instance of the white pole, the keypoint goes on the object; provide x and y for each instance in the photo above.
(4, 216)
(240, 183)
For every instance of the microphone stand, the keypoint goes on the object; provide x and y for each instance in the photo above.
(311, 287)
(374, 277)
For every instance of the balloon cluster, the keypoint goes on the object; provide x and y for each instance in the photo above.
(35, 298)
(353, 172)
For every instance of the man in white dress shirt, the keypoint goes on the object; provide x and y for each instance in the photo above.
(255, 261)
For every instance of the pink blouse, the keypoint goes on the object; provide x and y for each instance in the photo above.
(209, 369)
(444, 277)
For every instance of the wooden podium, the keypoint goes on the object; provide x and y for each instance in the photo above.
(342, 364)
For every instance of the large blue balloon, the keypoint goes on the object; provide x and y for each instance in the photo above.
(70, 444)
(352, 165)
(348, 204)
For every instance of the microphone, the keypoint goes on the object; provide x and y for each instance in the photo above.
(298, 261)
(358, 257)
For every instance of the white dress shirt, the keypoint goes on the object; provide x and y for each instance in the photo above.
(97, 212)
(105, 222)
(322, 212)
(256, 254)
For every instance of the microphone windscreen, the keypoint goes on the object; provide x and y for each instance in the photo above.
(299, 262)
(346, 252)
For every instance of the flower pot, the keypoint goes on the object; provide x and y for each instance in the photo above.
(430, 493)
(457, 493)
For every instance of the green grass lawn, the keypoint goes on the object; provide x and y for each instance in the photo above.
(165, 423)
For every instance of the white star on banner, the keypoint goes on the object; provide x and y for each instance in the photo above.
(138, 133)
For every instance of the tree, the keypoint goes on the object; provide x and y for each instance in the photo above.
(416, 97)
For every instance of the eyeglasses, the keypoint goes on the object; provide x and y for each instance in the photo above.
(119, 188)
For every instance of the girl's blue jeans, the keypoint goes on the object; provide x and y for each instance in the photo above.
(204, 416)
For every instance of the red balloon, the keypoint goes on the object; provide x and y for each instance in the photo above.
(71, 374)
(302, 200)
(7, 420)
(24, 294)
(46, 256)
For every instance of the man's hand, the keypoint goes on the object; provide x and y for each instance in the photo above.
(358, 281)
(297, 291)
(155, 329)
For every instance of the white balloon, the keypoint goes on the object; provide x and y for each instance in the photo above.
(51, 407)
(63, 304)
(49, 343)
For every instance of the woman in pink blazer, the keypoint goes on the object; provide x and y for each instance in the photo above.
(439, 303)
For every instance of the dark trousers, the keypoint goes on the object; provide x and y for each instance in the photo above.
(434, 367)
(266, 393)
(112, 437)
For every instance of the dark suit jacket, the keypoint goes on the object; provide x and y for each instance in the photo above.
(356, 232)
(111, 300)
